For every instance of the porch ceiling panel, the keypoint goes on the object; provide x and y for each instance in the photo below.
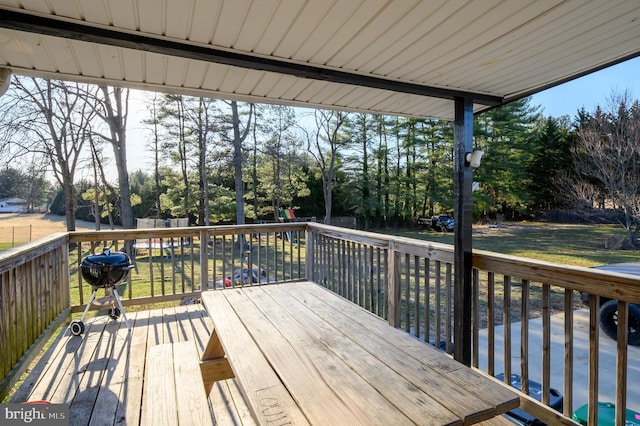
(408, 57)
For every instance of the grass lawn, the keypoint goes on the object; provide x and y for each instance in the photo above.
(569, 244)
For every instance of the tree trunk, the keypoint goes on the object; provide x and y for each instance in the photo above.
(115, 115)
(237, 164)
(203, 186)
(96, 183)
(69, 202)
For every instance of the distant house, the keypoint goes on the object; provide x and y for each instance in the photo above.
(13, 205)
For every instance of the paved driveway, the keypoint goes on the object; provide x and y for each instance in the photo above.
(607, 362)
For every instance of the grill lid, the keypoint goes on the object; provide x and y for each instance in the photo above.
(107, 258)
(106, 269)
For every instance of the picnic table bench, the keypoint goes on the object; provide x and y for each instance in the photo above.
(304, 355)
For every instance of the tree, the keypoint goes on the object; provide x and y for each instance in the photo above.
(550, 149)
(324, 144)
(239, 135)
(30, 184)
(102, 193)
(360, 127)
(12, 183)
(382, 175)
(52, 119)
(437, 177)
(173, 117)
(153, 123)
(37, 188)
(280, 178)
(504, 134)
(204, 127)
(113, 109)
(608, 150)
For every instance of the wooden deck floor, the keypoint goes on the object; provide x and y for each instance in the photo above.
(101, 373)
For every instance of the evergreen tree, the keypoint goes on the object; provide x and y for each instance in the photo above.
(550, 154)
(504, 134)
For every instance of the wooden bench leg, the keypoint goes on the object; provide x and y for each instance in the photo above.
(214, 366)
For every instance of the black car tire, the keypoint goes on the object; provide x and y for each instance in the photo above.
(609, 321)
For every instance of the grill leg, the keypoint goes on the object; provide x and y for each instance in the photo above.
(124, 314)
(91, 299)
(76, 327)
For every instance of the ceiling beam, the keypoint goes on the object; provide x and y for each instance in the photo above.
(26, 22)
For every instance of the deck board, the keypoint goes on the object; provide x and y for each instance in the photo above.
(130, 401)
(101, 374)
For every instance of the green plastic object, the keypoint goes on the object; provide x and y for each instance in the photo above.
(606, 415)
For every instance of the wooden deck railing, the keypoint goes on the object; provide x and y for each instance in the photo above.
(34, 301)
(408, 282)
(178, 263)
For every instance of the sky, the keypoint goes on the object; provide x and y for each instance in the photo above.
(590, 90)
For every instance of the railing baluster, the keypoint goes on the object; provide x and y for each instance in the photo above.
(151, 268)
(204, 261)
(80, 289)
(546, 344)
(173, 266)
(266, 254)
(437, 305)
(370, 281)
(381, 291)
(385, 284)
(567, 405)
(406, 294)
(506, 321)
(291, 237)
(357, 295)
(349, 270)
(621, 361)
(594, 302)
(448, 329)
(276, 270)
(260, 254)
(393, 277)
(491, 331)
(332, 262)
(475, 317)
(416, 284)
(284, 252)
(427, 299)
(193, 267)
(524, 336)
(342, 266)
(214, 258)
(5, 362)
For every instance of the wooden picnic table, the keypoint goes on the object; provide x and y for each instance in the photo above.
(304, 355)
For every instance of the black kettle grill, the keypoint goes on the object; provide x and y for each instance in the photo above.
(105, 270)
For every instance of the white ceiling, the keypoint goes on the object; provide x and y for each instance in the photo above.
(368, 55)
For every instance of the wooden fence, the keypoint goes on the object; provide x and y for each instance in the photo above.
(34, 302)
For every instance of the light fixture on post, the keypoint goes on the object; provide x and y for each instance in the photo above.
(473, 158)
(5, 80)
